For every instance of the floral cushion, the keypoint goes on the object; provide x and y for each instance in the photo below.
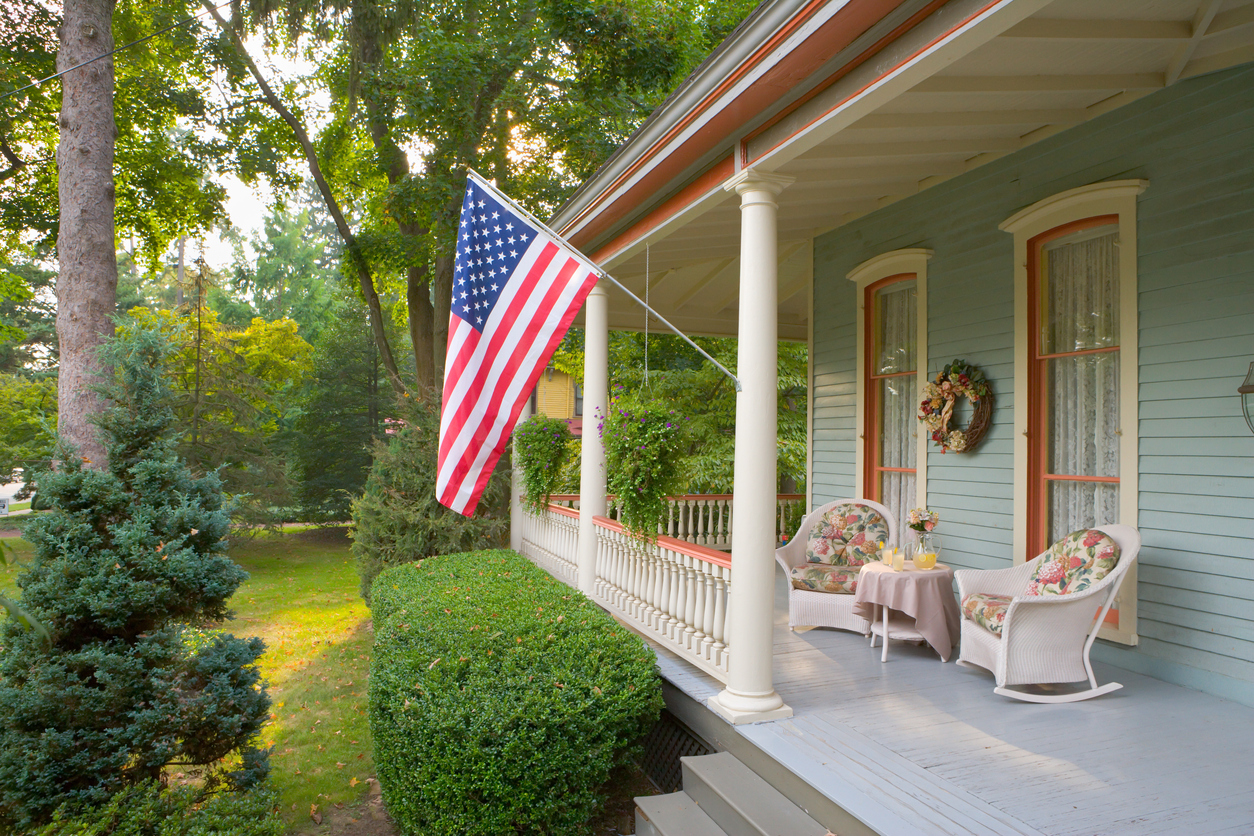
(847, 535)
(1074, 563)
(986, 610)
(841, 580)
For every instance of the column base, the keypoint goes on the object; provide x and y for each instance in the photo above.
(739, 710)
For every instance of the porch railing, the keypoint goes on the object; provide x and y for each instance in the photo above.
(706, 519)
(671, 591)
(550, 540)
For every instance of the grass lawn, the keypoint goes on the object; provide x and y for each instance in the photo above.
(302, 600)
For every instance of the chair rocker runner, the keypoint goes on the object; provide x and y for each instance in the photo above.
(1034, 624)
(823, 560)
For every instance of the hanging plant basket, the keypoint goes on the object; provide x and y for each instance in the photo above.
(957, 380)
(542, 444)
(645, 444)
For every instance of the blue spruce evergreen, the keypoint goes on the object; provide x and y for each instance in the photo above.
(129, 578)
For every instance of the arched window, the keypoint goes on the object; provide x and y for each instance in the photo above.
(892, 365)
(1076, 363)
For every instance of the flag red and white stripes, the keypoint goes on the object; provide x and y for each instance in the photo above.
(516, 290)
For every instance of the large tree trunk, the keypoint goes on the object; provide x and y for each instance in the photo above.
(418, 300)
(88, 279)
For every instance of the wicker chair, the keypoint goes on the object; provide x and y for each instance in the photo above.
(1045, 638)
(810, 608)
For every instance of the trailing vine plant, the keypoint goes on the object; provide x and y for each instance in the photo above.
(645, 444)
(542, 444)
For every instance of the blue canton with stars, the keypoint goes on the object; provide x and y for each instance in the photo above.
(490, 242)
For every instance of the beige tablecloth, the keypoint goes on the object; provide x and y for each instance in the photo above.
(925, 595)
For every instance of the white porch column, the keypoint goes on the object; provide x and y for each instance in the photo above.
(596, 384)
(750, 693)
(516, 510)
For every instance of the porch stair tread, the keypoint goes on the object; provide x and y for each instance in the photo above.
(723, 797)
(888, 792)
(675, 814)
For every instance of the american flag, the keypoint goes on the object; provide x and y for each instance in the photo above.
(516, 290)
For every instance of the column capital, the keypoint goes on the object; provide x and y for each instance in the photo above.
(752, 180)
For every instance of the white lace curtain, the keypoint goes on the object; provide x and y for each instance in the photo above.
(1081, 307)
(896, 320)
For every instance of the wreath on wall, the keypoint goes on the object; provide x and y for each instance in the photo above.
(959, 379)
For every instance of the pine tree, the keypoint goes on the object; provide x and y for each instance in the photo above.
(129, 576)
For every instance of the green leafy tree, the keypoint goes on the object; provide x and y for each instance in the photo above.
(138, 141)
(699, 390)
(28, 311)
(291, 273)
(533, 95)
(398, 520)
(344, 407)
(129, 574)
(28, 431)
(236, 396)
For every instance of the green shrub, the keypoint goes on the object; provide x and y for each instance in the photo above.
(500, 698)
(129, 565)
(398, 520)
(541, 446)
(148, 809)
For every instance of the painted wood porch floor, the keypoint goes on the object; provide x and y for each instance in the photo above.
(914, 746)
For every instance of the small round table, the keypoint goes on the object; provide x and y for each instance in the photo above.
(909, 604)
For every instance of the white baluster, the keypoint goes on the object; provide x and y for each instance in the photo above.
(689, 602)
(717, 650)
(707, 619)
(675, 606)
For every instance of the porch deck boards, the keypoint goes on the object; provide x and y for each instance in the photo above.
(914, 746)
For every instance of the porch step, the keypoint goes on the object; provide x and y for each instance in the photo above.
(673, 815)
(722, 793)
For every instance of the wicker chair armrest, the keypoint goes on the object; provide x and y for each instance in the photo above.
(1052, 619)
(1011, 581)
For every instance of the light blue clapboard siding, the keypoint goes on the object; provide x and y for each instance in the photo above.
(1194, 142)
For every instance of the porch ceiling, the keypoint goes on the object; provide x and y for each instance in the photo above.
(864, 140)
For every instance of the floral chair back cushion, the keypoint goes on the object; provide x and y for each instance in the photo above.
(847, 535)
(1074, 563)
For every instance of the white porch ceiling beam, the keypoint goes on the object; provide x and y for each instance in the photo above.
(924, 148)
(787, 251)
(1038, 83)
(875, 173)
(1220, 61)
(849, 194)
(1201, 22)
(953, 31)
(702, 283)
(1098, 29)
(1232, 19)
(971, 119)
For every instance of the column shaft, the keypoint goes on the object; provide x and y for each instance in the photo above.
(750, 694)
(592, 455)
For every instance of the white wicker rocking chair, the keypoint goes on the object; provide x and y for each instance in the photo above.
(1045, 639)
(808, 608)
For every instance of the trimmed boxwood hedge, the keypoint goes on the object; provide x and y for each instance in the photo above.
(500, 698)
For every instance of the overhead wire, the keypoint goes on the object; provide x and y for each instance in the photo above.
(113, 51)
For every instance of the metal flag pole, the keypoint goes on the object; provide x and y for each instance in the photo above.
(474, 175)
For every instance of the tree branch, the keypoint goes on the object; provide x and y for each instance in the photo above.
(356, 257)
(16, 163)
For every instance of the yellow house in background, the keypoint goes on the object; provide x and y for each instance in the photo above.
(557, 395)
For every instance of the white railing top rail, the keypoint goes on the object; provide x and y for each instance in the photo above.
(701, 553)
(574, 497)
